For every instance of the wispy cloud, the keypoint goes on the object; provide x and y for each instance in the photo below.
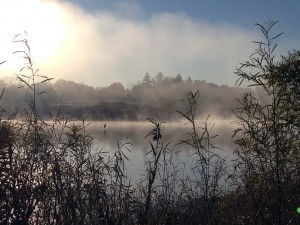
(102, 47)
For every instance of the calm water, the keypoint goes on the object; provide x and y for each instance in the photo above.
(134, 134)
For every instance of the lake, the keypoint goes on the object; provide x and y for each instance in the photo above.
(134, 133)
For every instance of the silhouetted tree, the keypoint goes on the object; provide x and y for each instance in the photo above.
(147, 79)
(159, 77)
(178, 78)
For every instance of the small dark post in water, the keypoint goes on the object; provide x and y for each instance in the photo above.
(104, 128)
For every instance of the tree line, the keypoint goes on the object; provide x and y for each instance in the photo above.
(158, 96)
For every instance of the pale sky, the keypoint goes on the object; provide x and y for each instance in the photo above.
(97, 42)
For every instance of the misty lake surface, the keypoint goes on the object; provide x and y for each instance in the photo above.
(134, 133)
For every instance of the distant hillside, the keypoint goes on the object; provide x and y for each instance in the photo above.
(159, 96)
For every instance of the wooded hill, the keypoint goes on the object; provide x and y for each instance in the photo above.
(158, 96)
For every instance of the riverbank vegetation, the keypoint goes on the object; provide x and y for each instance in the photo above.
(52, 172)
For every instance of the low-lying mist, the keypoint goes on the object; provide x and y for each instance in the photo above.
(159, 96)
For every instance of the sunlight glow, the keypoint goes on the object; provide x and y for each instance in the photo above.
(45, 23)
(102, 46)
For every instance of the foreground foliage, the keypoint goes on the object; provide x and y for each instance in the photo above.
(267, 168)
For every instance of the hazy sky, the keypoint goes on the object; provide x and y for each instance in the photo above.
(97, 42)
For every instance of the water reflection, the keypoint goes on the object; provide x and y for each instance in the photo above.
(108, 134)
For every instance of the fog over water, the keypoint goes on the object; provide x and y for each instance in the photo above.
(134, 133)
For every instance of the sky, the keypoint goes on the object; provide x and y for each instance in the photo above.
(98, 42)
